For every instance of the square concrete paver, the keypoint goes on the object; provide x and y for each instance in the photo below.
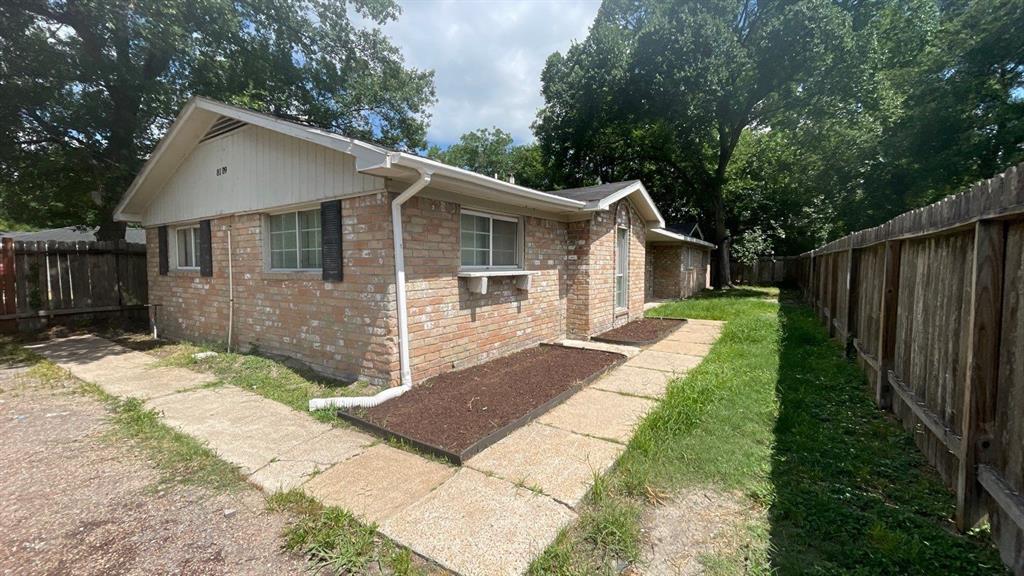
(664, 361)
(703, 334)
(682, 347)
(635, 381)
(560, 463)
(477, 525)
(243, 428)
(379, 482)
(599, 413)
(117, 370)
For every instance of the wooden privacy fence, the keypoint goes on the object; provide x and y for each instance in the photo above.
(932, 305)
(776, 270)
(40, 280)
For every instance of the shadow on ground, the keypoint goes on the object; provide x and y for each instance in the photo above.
(852, 494)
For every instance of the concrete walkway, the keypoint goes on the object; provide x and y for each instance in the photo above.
(490, 517)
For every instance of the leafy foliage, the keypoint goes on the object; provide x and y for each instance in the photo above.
(87, 87)
(491, 152)
(663, 91)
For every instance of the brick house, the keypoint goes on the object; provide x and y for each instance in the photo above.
(678, 264)
(369, 263)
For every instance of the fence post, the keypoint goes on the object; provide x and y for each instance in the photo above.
(978, 415)
(887, 321)
(851, 283)
(8, 306)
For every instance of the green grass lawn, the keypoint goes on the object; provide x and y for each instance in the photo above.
(777, 415)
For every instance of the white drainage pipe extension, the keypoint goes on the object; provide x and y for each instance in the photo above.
(403, 313)
(358, 401)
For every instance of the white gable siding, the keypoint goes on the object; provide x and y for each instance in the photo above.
(265, 170)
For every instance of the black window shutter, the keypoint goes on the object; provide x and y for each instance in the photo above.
(161, 242)
(330, 245)
(205, 249)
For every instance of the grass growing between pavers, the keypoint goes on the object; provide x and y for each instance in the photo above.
(267, 377)
(777, 416)
(335, 542)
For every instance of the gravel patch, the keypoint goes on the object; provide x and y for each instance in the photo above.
(73, 502)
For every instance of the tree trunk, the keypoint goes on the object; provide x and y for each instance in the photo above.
(720, 276)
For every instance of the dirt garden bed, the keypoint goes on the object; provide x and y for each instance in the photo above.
(458, 414)
(640, 332)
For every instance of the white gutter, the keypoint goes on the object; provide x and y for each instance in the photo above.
(403, 312)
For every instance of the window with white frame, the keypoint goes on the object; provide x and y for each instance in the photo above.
(295, 240)
(489, 241)
(186, 246)
(621, 266)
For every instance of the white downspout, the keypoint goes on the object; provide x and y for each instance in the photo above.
(231, 291)
(403, 313)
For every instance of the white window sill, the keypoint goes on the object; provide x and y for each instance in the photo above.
(476, 280)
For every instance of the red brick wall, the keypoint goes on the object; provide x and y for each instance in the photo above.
(451, 328)
(592, 278)
(678, 271)
(347, 329)
(666, 274)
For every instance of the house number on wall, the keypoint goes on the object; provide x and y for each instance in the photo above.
(222, 170)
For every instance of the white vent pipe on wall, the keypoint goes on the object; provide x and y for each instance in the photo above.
(403, 313)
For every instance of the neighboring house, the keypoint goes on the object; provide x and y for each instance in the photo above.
(71, 234)
(678, 265)
(370, 263)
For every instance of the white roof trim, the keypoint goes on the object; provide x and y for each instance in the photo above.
(635, 187)
(669, 236)
(427, 165)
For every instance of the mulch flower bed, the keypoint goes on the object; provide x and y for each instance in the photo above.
(457, 414)
(640, 332)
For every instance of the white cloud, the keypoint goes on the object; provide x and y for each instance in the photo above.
(487, 57)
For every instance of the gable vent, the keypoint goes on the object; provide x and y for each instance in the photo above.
(222, 126)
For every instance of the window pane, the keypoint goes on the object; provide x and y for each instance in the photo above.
(186, 248)
(282, 222)
(310, 259)
(283, 240)
(309, 220)
(284, 259)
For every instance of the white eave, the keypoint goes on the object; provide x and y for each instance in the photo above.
(641, 200)
(662, 235)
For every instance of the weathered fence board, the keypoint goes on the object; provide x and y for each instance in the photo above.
(932, 303)
(45, 279)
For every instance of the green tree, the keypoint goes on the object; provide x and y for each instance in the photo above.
(663, 90)
(492, 152)
(88, 86)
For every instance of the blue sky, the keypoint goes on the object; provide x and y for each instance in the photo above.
(487, 57)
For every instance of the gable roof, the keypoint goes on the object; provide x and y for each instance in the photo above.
(601, 196)
(202, 118)
(691, 228)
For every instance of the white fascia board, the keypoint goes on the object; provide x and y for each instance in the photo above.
(119, 214)
(486, 182)
(653, 214)
(673, 236)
